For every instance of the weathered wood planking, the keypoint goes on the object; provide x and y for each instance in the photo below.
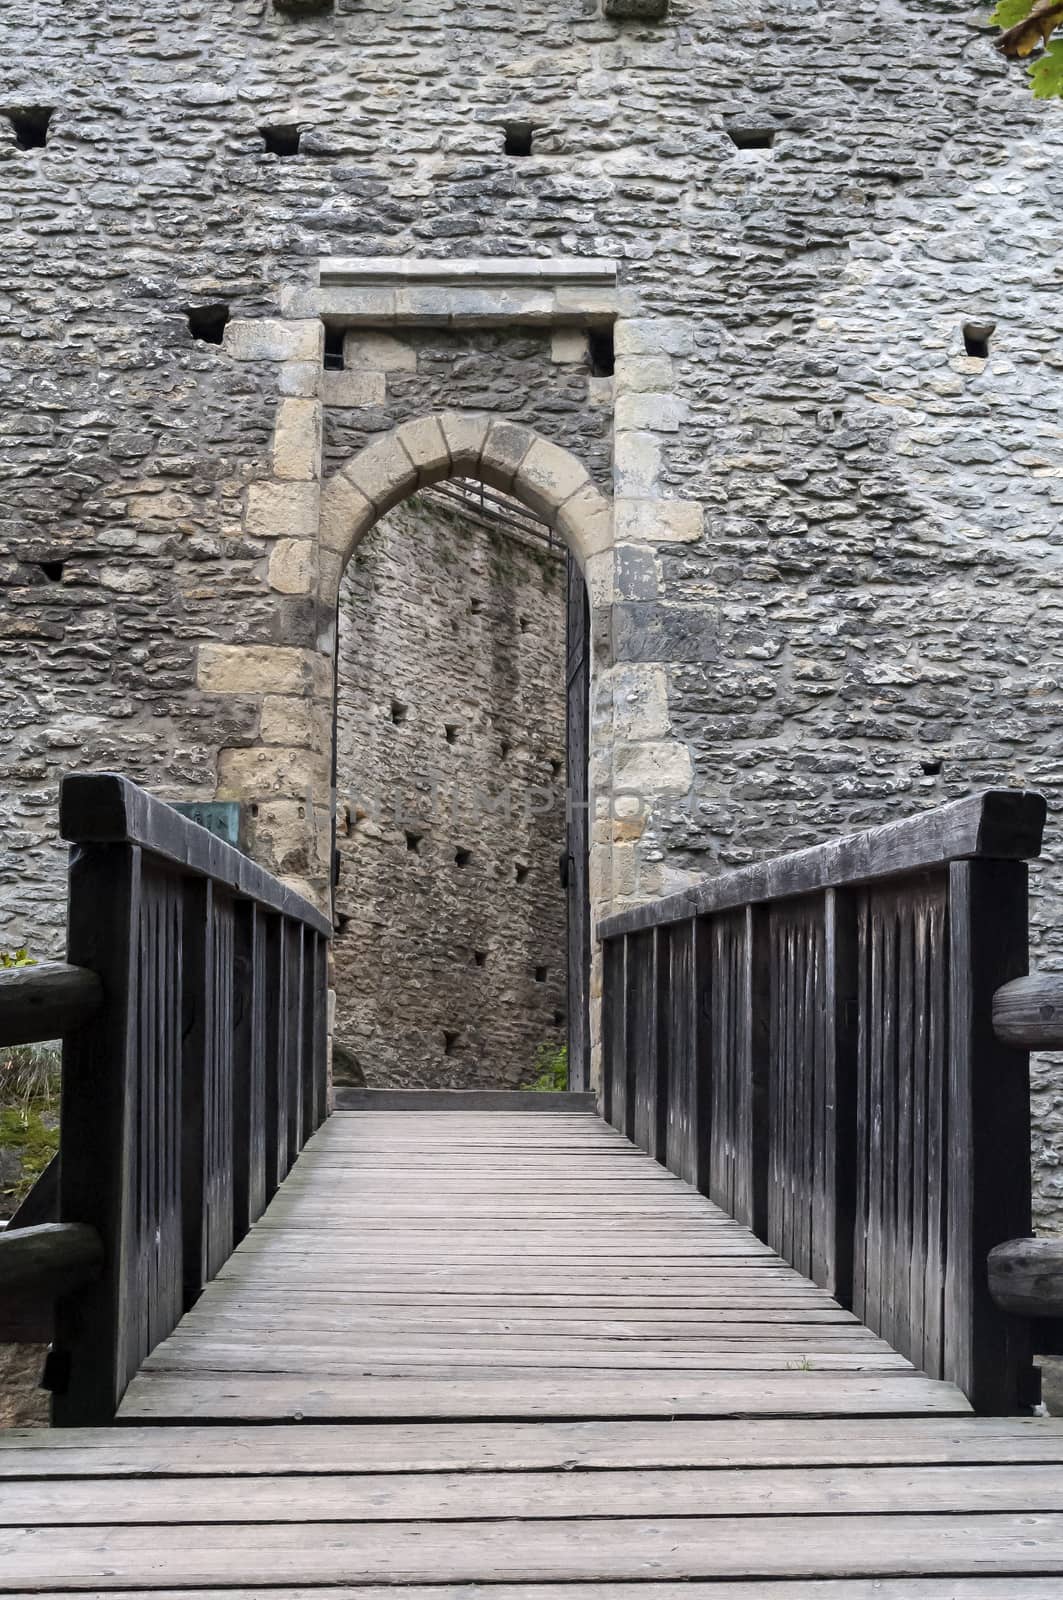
(590, 1458)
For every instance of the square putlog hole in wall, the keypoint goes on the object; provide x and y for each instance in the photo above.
(282, 139)
(976, 337)
(399, 712)
(207, 323)
(462, 857)
(752, 138)
(413, 843)
(30, 126)
(517, 138)
(450, 1042)
(333, 360)
(601, 352)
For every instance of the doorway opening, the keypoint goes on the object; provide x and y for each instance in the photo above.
(461, 961)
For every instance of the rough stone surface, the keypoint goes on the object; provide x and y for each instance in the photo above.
(451, 736)
(870, 621)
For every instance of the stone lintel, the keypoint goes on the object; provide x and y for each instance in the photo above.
(474, 272)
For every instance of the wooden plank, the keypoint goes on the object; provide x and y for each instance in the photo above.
(1002, 824)
(642, 1040)
(1027, 1012)
(1025, 1588)
(162, 1395)
(397, 1447)
(465, 1101)
(46, 1001)
(614, 1022)
(547, 1550)
(449, 1496)
(1025, 1277)
(249, 1067)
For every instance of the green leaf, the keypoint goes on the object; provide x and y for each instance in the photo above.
(1046, 75)
(1008, 12)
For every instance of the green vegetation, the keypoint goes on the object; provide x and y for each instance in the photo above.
(29, 1110)
(551, 1069)
(1028, 27)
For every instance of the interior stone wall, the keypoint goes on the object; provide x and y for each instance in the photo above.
(450, 972)
(863, 619)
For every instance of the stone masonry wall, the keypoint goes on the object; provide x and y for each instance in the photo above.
(450, 949)
(867, 621)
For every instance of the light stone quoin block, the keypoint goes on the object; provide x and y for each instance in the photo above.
(297, 440)
(282, 510)
(255, 669)
(291, 566)
(648, 521)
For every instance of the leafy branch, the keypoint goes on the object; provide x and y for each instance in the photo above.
(1028, 26)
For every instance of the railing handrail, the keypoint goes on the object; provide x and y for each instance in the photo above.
(995, 824)
(105, 808)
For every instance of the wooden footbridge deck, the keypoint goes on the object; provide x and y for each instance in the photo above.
(510, 1353)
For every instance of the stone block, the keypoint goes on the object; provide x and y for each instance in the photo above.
(506, 446)
(271, 770)
(648, 630)
(466, 434)
(586, 523)
(658, 413)
(636, 464)
(346, 516)
(297, 440)
(640, 702)
(282, 510)
(568, 344)
(658, 521)
(292, 567)
(489, 307)
(652, 770)
(377, 352)
(653, 336)
(635, 570)
(383, 472)
(426, 447)
(269, 340)
(354, 388)
(255, 669)
(372, 307)
(549, 476)
(300, 378)
(643, 375)
(286, 720)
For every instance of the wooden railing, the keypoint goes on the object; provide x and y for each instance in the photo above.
(193, 1015)
(810, 1041)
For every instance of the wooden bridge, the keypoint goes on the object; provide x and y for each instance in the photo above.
(740, 1339)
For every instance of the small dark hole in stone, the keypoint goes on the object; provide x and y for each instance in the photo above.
(931, 768)
(505, 747)
(559, 1017)
(207, 323)
(555, 767)
(540, 974)
(281, 140)
(399, 712)
(450, 732)
(30, 126)
(450, 1042)
(333, 359)
(342, 920)
(521, 872)
(347, 822)
(413, 843)
(524, 624)
(476, 606)
(602, 353)
(518, 138)
(752, 138)
(462, 857)
(53, 570)
(976, 337)
(479, 958)
(254, 808)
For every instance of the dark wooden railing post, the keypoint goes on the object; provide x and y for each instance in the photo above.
(987, 1352)
(614, 1032)
(249, 1067)
(834, 1192)
(95, 1329)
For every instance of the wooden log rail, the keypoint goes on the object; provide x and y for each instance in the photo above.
(810, 1041)
(192, 1011)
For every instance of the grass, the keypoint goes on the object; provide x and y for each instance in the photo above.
(550, 1069)
(29, 1111)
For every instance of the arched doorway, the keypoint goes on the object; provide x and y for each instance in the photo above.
(461, 937)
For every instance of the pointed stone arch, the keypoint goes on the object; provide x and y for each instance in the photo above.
(505, 455)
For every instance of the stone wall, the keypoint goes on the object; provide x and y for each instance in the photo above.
(450, 949)
(863, 617)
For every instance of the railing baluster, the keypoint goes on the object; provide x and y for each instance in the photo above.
(294, 1027)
